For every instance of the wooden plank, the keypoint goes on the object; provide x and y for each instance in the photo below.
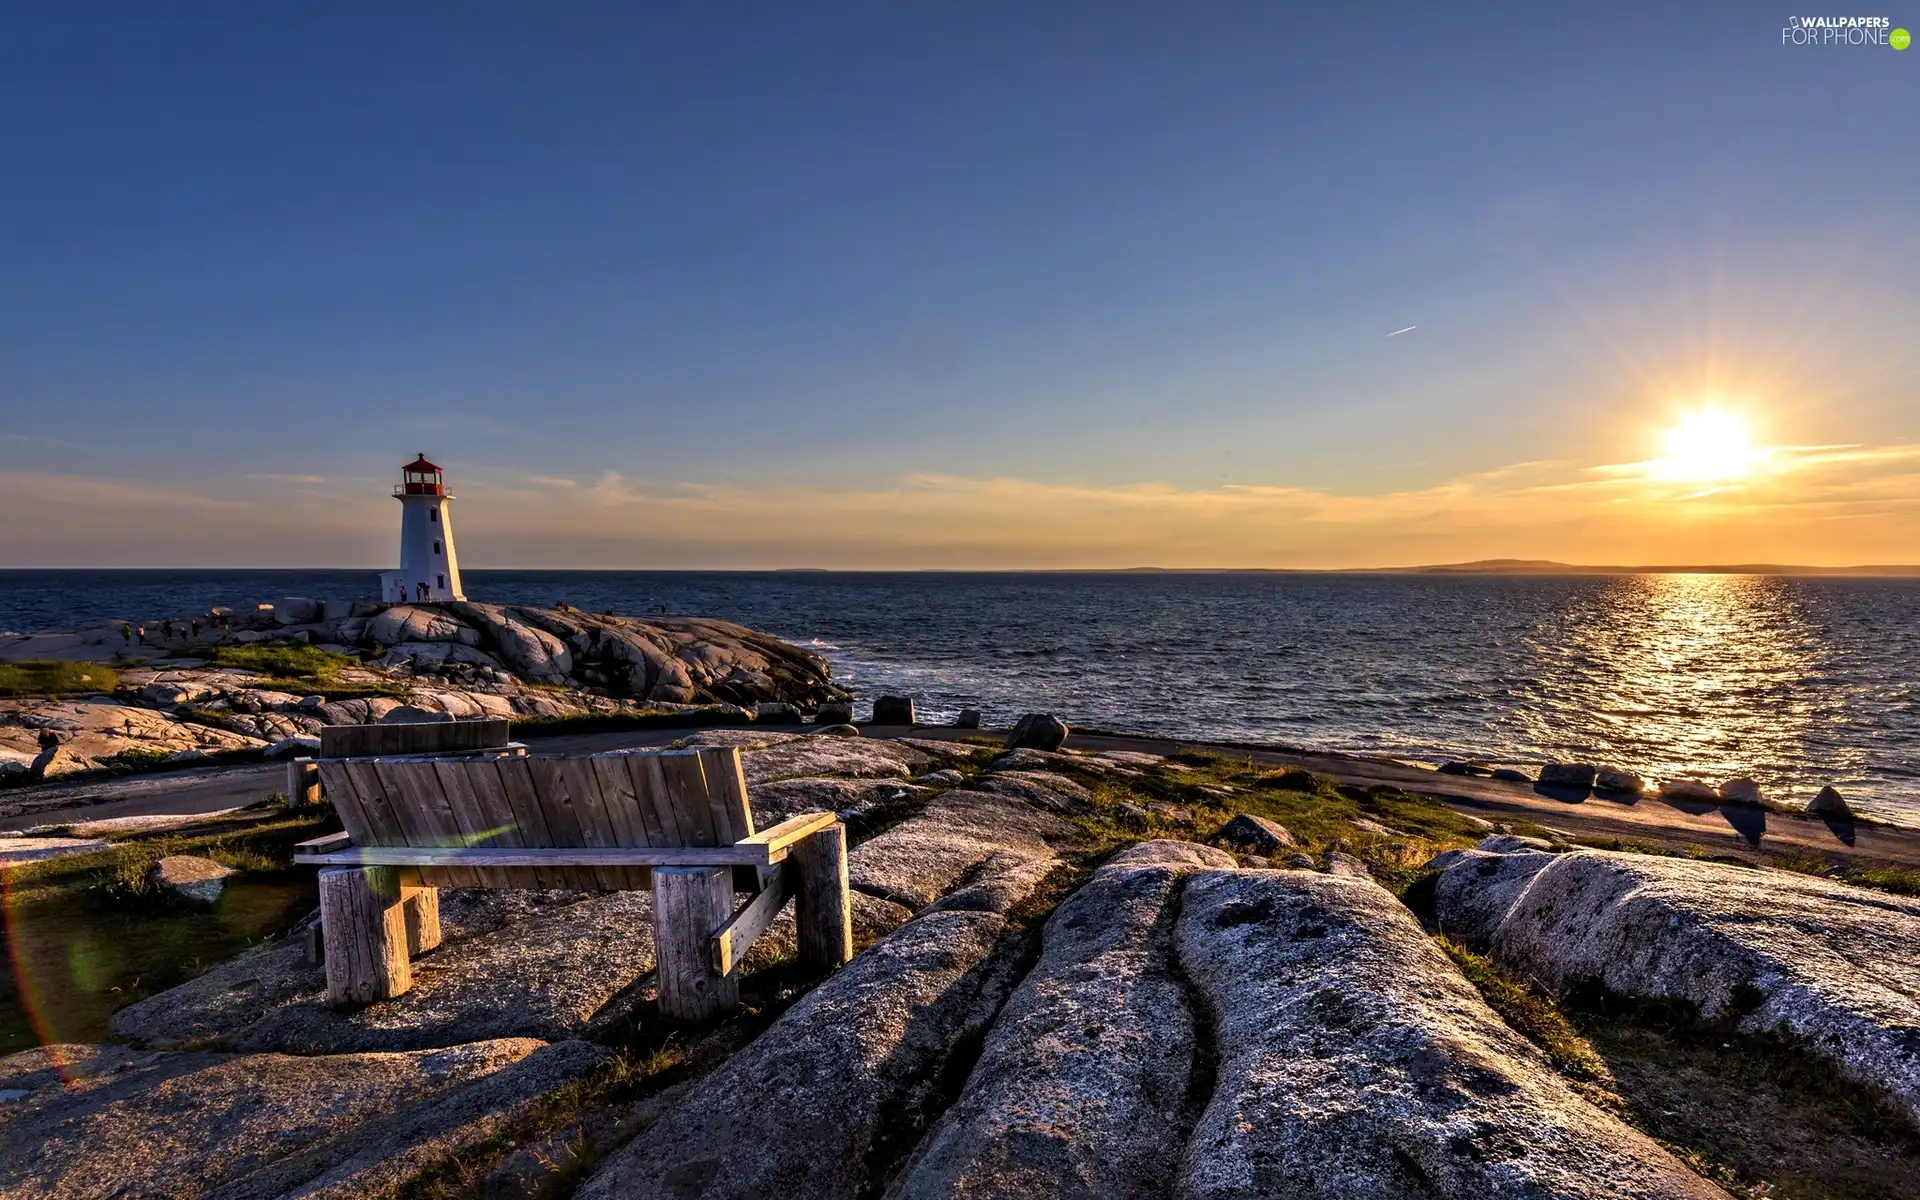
(413, 792)
(468, 814)
(516, 785)
(451, 858)
(778, 838)
(731, 944)
(341, 793)
(822, 909)
(659, 796)
(596, 828)
(323, 845)
(687, 794)
(563, 823)
(622, 807)
(689, 905)
(422, 737)
(727, 793)
(649, 791)
(388, 830)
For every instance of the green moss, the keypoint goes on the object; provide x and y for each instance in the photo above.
(55, 677)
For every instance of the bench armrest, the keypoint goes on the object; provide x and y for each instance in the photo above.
(778, 839)
(324, 845)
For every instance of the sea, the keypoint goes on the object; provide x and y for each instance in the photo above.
(1795, 681)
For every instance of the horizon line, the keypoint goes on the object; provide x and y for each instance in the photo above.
(1492, 566)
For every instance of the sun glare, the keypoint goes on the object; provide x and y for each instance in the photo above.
(1709, 446)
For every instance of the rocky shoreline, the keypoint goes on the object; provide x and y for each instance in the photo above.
(266, 680)
(1083, 974)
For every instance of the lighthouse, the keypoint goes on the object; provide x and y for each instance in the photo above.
(429, 569)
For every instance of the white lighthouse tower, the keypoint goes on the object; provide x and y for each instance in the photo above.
(429, 569)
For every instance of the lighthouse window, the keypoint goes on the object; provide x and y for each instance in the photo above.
(440, 581)
(436, 547)
(433, 514)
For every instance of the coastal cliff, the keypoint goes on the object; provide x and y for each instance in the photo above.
(266, 678)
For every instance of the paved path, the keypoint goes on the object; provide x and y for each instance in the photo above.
(1730, 829)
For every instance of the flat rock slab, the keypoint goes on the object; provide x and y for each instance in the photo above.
(1835, 966)
(38, 849)
(776, 801)
(1083, 1084)
(853, 758)
(818, 1104)
(947, 845)
(109, 1122)
(1355, 1061)
(510, 966)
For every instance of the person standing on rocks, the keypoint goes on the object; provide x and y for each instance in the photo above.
(166, 630)
(126, 631)
(140, 632)
(195, 626)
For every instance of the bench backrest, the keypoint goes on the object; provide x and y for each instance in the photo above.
(669, 798)
(415, 737)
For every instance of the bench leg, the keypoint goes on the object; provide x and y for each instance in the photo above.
(690, 904)
(363, 926)
(303, 783)
(822, 909)
(422, 905)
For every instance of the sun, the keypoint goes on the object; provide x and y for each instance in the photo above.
(1709, 446)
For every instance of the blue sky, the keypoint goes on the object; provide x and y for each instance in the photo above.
(949, 285)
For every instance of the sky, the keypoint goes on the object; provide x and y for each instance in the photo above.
(956, 286)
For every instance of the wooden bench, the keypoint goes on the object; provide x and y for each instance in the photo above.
(675, 821)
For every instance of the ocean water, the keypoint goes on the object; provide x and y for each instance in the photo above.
(1796, 681)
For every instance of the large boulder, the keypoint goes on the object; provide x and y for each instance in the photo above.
(405, 623)
(844, 1079)
(1830, 803)
(893, 710)
(1769, 951)
(1082, 1085)
(190, 877)
(86, 1122)
(1568, 775)
(1254, 835)
(1619, 779)
(1693, 790)
(1038, 731)
(1354, 1061)
(1741, 791)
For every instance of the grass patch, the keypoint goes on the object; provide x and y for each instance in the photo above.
(56, 677)
(88, 935)
(1532, 1015)
(299, 663)
(1755, 1114)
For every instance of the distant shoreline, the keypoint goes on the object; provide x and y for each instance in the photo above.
(1492, 566)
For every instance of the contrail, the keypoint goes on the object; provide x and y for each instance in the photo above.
(1408, 329)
